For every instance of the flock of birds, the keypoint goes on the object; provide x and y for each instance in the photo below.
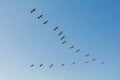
(63, 42)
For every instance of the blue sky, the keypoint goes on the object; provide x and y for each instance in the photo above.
(91, 25)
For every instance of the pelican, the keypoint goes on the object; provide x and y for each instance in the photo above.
(51, 65)
(40, 16)
(33, 10)
(45, 22)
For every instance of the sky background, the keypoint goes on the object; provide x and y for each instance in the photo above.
(91, 25)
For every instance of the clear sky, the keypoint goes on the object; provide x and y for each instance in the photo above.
(91, 25)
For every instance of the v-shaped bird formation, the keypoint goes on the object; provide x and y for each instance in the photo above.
(64, 41)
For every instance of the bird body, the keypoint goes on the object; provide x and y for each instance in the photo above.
(33, 10)
(45, 22)
(94, 59)
(77, 50)
(87, 55)
(51, 66)
(62, 37)
(32, 65)
(62, 65)
(72, 47)
(64, 42)
(41, 65)
(60, 33)
(55, 28)
(40, 16)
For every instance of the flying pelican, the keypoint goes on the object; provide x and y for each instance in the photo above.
(60, 33)
(102, 62)
(94, 59)
(55, 28)
(33, 10)
(41, 65)
(87, 62)
(45, 22)
(77, 50)
(40, 16)
(72, 63)
(51, 65)
(64, 42)
(62, 65)
(71, 47)
(63, 37)
(87, 55)
(32, 65)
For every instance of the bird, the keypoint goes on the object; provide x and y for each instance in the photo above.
(77, 50)
(33, 10)
(71, 47)
(62, 65)
(72, 63)
(40, 16)
(41, 65)
(45, 22)
(87, 55)
(32, 65)
(51, 65)
(62, 37)
(64, 42)
(94, 59)
(55, 28)
(86, 62)
(102, 62)
(60, 33)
